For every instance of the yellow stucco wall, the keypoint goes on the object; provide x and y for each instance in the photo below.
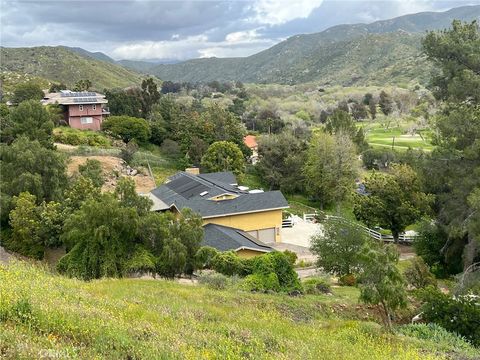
(252, 221)
(247, 254)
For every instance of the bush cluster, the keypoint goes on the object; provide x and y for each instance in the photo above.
(316, 286)
(213, 280)
(418, 274)
(437, 334)
(459, 314)
(270, 272)
(76, 137)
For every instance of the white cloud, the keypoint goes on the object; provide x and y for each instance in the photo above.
(242, 43)
(242, 36)
(277, 12)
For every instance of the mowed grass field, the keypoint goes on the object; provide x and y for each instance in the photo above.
(380, 136)
(47, 316)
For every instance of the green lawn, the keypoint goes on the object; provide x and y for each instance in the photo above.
(44, 315)
(378, 135)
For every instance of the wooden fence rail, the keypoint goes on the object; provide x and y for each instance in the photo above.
(403, 238)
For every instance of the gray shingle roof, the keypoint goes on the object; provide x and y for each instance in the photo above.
(226, 177)
(224, 238)
(184, 191)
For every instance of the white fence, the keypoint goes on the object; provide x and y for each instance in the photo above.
(403, 238)
(287, 223)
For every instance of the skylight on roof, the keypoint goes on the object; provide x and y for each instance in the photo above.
(204, 193)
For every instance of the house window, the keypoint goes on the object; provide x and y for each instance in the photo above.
(94, 107)
(86, 120)
(80, 107)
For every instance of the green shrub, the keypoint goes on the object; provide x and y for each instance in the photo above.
(73, 139)
(278, 263)
(127, 128)
(347, 280)
(303, 264)
(459, 314)
(141, 261)
(261, 282)
(315, 286)
(71, 136)
(418, 274)
(436, 334)
(204, 257)
(377, 158)
(292, 257)
(227, 263)
(92, 169)
(213, 280)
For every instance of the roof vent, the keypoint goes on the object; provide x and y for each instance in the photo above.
(192, 171)
(204, 193)
(256, 191)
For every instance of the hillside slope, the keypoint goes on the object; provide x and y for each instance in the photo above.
(60, 64)
(384, 52)
(41, 313)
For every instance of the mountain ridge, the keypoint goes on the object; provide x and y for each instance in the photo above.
(62, 64)
(289, 61)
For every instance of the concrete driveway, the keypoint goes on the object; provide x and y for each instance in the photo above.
(297, 239)
(300, 233)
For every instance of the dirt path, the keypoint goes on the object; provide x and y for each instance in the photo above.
(5, 257)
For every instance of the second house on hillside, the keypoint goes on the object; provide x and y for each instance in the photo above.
(82, 110)
(235, 218)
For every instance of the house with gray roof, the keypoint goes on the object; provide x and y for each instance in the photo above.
(235, 217)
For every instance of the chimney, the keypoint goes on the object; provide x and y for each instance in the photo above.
(192, 170)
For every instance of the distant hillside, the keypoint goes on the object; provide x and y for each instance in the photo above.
(140, 66)
(95, 55)
(361, 54)
(61, 64)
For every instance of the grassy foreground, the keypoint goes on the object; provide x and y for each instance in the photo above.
(48, 316)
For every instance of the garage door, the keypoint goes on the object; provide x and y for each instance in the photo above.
(264, 235)
(267, 235)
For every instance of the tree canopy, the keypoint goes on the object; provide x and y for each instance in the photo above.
(380, 280)
(281, 159)
(27, 91)
(31, 119)
(392, 200)
(330, 169)
(28, 166)
(452, 171)
(127, 128)
(338, 247)
(224, 156)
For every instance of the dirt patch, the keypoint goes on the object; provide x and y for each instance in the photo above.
(113, 169)
(5, 257)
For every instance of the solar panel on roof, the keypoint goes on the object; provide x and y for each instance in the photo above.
(85, 100)
(187, 187)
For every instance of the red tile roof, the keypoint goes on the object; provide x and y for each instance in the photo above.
(250, 141)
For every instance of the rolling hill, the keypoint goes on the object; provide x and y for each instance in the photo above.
(43, 315)
(62, 64)
(383, 52)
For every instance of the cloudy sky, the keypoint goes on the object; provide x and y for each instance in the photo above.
(179, 30)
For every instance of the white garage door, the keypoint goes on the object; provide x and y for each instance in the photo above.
(264, 235)
(267, 235)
